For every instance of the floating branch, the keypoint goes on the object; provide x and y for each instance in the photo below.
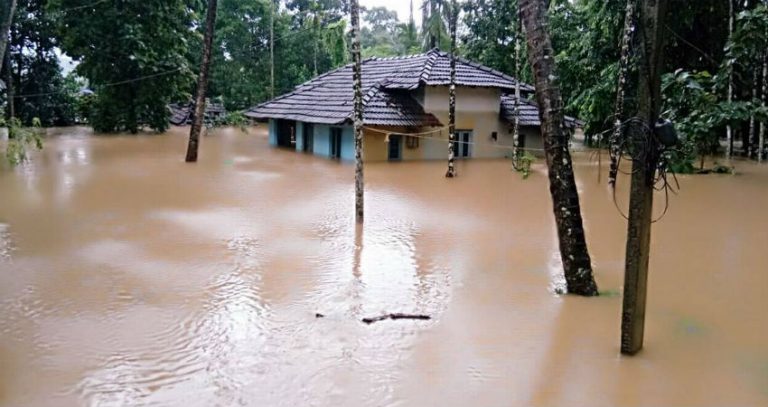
(396, 316)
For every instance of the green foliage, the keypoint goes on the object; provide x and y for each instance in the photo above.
(491, 27)
(747, 46)
(524, 162)
(133, 54)
(236, 119)
(20, 139)
(692, 102)
(41, 90)
(310, 36)
(434, 26)
(385, 36)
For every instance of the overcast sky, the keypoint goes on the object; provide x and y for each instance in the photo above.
(401, 6)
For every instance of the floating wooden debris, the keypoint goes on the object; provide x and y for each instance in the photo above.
(396, 316)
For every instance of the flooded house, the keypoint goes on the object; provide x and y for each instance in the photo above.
(181, 113)
(405, 111)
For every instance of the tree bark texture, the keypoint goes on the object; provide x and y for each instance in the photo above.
(357, 79)
(728, 128)
(272, 49)
(645, 158)
(452, 94)
(763, 124)
(5, 27)
(516, 122)
(202, 83)
(750, 140)
(9, 85)
(626, 39)
(562, 186)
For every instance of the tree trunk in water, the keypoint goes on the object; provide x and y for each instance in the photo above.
(629, 18)
(452, 94)
(354, 10)
(5, 27)
(9, 85)
(728, 129)
(750, 139)
(565, 199)
(202, 83)
(763, 123)
(516, 122)
(645, 158)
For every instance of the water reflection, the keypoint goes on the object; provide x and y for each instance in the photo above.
(76, 155)
(5, 243)
(138, 280)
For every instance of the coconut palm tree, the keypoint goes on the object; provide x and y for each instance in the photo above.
(202, 83)
(452, 92)
(354, 10)
(577, 265)
(436, 15)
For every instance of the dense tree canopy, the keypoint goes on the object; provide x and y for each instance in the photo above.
(133, 53)
(138, 56)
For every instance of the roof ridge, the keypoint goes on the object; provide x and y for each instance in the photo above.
(400, 57)
(426, 71)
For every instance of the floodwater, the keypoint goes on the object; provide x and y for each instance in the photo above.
(130, 278)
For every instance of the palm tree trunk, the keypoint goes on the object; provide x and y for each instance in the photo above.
(272, 48)
(9, 85)
(358, 114)
(728, 129)
(763, 97)
(562, 185)
(750, 139)
(452, 95)
(202, 83)
(650, 32)
(516, 122)
(629, 18)
(5, 27)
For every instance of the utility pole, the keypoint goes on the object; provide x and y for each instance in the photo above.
(650, 32)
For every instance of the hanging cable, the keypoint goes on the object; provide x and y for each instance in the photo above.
(127, 81)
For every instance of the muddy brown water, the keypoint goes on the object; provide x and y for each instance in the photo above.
(130, 278)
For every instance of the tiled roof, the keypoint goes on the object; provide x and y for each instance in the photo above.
(328, 98)
(529, 113)
(181, 114)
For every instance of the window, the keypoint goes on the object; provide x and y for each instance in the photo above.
(462, 145)
(411, 142)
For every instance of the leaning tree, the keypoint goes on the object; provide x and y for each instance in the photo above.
(202, 83)
(577, 264)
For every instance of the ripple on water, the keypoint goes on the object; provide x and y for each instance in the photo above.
(6, 246)
(206, 352)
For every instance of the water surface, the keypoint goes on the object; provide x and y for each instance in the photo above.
(128, 277)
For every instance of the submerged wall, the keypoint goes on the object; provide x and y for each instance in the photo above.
(321, 143)
(477, 109)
